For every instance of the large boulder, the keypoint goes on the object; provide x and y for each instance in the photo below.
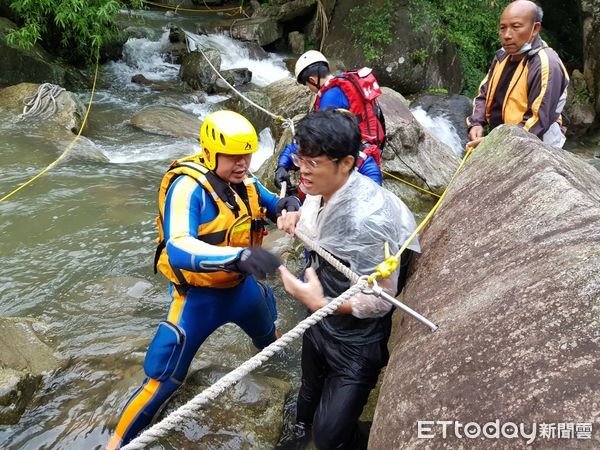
(176, 48)
(262, 30)
(590, 11)
(510, 271)
(406, 64)
(286, 10)
(197, 73)
(167, 121)
(258, 118)
(24, 359)
(247, 415)
(580, 107)
(414, 155)
(69, 111)
(32, 65)
(283, 97)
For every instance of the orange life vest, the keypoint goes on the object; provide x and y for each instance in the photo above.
(239, 223)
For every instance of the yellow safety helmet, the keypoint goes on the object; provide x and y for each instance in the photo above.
(308, 58)
(226, 132)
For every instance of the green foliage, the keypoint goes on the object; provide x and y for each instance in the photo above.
(472, 25)
(580, 94)
(77, 27)
(371, 27)
(419, 56)
(437, 91)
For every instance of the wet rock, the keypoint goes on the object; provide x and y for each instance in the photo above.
(286, 11)
(24, 359)
(154, 84)
(69, 109)
(248, 415)
(284, 97)
(176, 35)
(167, 121)
(413, 154)
(296, 41)
(590, 13)
(262, 30)
(259, 119)
(152, 34)
(235, 77)
(255, 51)
(510, 272)
(83, 150)
(455, 108)
(197, 73)
(579, 108)
(16, 391)
(176, 49)
(33, 65)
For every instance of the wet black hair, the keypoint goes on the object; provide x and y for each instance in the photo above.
(330, 132)
(319, 69)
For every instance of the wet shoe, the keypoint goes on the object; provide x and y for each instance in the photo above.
(299, 437)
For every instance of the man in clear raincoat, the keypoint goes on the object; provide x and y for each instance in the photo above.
(351, 217)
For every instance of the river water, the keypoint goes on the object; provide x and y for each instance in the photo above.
(78, 246)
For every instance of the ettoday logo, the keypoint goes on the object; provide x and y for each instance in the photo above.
(430, 429)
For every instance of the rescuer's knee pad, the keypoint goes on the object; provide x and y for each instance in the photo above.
(165, 351)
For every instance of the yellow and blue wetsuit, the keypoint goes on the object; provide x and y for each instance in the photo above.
(197, 311)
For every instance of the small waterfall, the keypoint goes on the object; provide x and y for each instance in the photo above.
(234, 54)
(266, 147)
(441, 128)
(141, 55)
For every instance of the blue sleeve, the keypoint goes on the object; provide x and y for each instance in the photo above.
(334, 98)
(267, 199)
(285, 159)
(371, 169)
(187, 206)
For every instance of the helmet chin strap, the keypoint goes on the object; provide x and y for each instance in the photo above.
(317, 85)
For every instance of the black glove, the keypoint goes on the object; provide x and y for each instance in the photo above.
(290, 204)
(258, 262)
(281, 175)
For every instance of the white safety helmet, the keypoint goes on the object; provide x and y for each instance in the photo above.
(308, 58)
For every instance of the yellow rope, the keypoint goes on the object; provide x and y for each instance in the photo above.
(410, 184)
(239, 9)
(70, 146)
(387, 267)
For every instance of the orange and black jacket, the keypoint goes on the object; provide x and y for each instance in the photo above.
(529, 93)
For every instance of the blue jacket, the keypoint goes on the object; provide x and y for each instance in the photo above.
(332, 98)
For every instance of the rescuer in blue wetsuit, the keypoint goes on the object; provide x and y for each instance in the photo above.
(344, 91)
(211, 224)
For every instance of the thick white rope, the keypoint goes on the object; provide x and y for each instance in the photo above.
(189, 409)
(312, 245)
(287, 123)
(42, 104)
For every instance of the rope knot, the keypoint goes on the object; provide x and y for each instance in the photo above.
(387, 267)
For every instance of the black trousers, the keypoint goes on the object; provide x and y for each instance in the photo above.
(336, 381)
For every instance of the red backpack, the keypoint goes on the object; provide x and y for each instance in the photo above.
(362, 89)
